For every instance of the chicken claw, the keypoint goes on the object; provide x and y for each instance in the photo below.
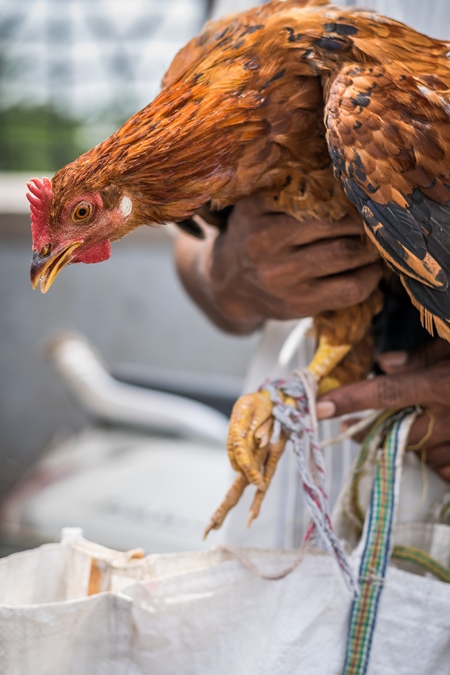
(250, 453)
(231, 499)
(250, 413)
(274, 453)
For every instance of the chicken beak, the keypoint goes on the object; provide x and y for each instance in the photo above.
(46, 269)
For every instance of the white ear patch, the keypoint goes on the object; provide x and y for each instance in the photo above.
(126, 206)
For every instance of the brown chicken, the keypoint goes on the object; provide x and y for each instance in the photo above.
(322, 110)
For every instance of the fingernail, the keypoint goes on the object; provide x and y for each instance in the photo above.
(393, 359)
(325, 409)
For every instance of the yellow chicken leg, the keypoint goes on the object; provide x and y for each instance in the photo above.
(251, 422)
(249, 448)
(326, 358)
(251, 453)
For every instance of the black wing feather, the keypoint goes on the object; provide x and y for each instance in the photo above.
(408, 217)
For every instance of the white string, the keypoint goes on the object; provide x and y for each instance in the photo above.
(299, 425)
(246, 561)
(361, 425)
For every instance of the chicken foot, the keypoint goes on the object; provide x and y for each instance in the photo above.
(249, 448)
(250, 451)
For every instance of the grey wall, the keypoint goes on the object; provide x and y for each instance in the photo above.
(131, 307)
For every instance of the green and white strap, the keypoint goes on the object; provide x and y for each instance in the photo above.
(375, 546)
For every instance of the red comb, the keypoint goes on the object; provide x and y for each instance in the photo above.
(40, 201)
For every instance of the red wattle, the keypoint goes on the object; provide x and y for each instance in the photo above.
(95, 253)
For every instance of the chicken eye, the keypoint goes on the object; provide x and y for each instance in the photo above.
(82, 211)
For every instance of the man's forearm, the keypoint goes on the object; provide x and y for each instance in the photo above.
(193, 260)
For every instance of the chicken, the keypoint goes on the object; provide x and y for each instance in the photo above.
(323, 111)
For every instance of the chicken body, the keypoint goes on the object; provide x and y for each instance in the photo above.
(322, 110)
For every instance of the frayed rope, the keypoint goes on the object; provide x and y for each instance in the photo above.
(299, 425)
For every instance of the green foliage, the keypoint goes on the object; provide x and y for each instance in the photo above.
(38, 138)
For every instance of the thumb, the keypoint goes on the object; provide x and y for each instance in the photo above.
(423, 357)
(386, 391)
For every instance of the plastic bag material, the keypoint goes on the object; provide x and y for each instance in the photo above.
(77, 607)
(203, 613)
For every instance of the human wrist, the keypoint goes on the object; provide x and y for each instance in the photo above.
(232, 309)
(194, 262)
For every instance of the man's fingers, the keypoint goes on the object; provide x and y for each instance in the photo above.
(431, 428)
(254, 215)
(444, 472)
(425, 356)
(312, 230)
(439, 455)
(438, 458)
(325, 258)
(421, 387)
(349, 422)
(281, 235)
(348, 289)
(380, 393)
(336, 256)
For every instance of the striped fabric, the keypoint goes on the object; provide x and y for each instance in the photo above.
(376, 542)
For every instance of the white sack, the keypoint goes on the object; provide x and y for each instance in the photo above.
(203, 613)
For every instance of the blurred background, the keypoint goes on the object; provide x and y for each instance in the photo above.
(71, 72)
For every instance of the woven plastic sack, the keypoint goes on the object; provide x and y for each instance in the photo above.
(76, 607)
(204, 613)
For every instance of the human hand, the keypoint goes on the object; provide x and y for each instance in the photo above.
(267, 265)
(420, 377)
